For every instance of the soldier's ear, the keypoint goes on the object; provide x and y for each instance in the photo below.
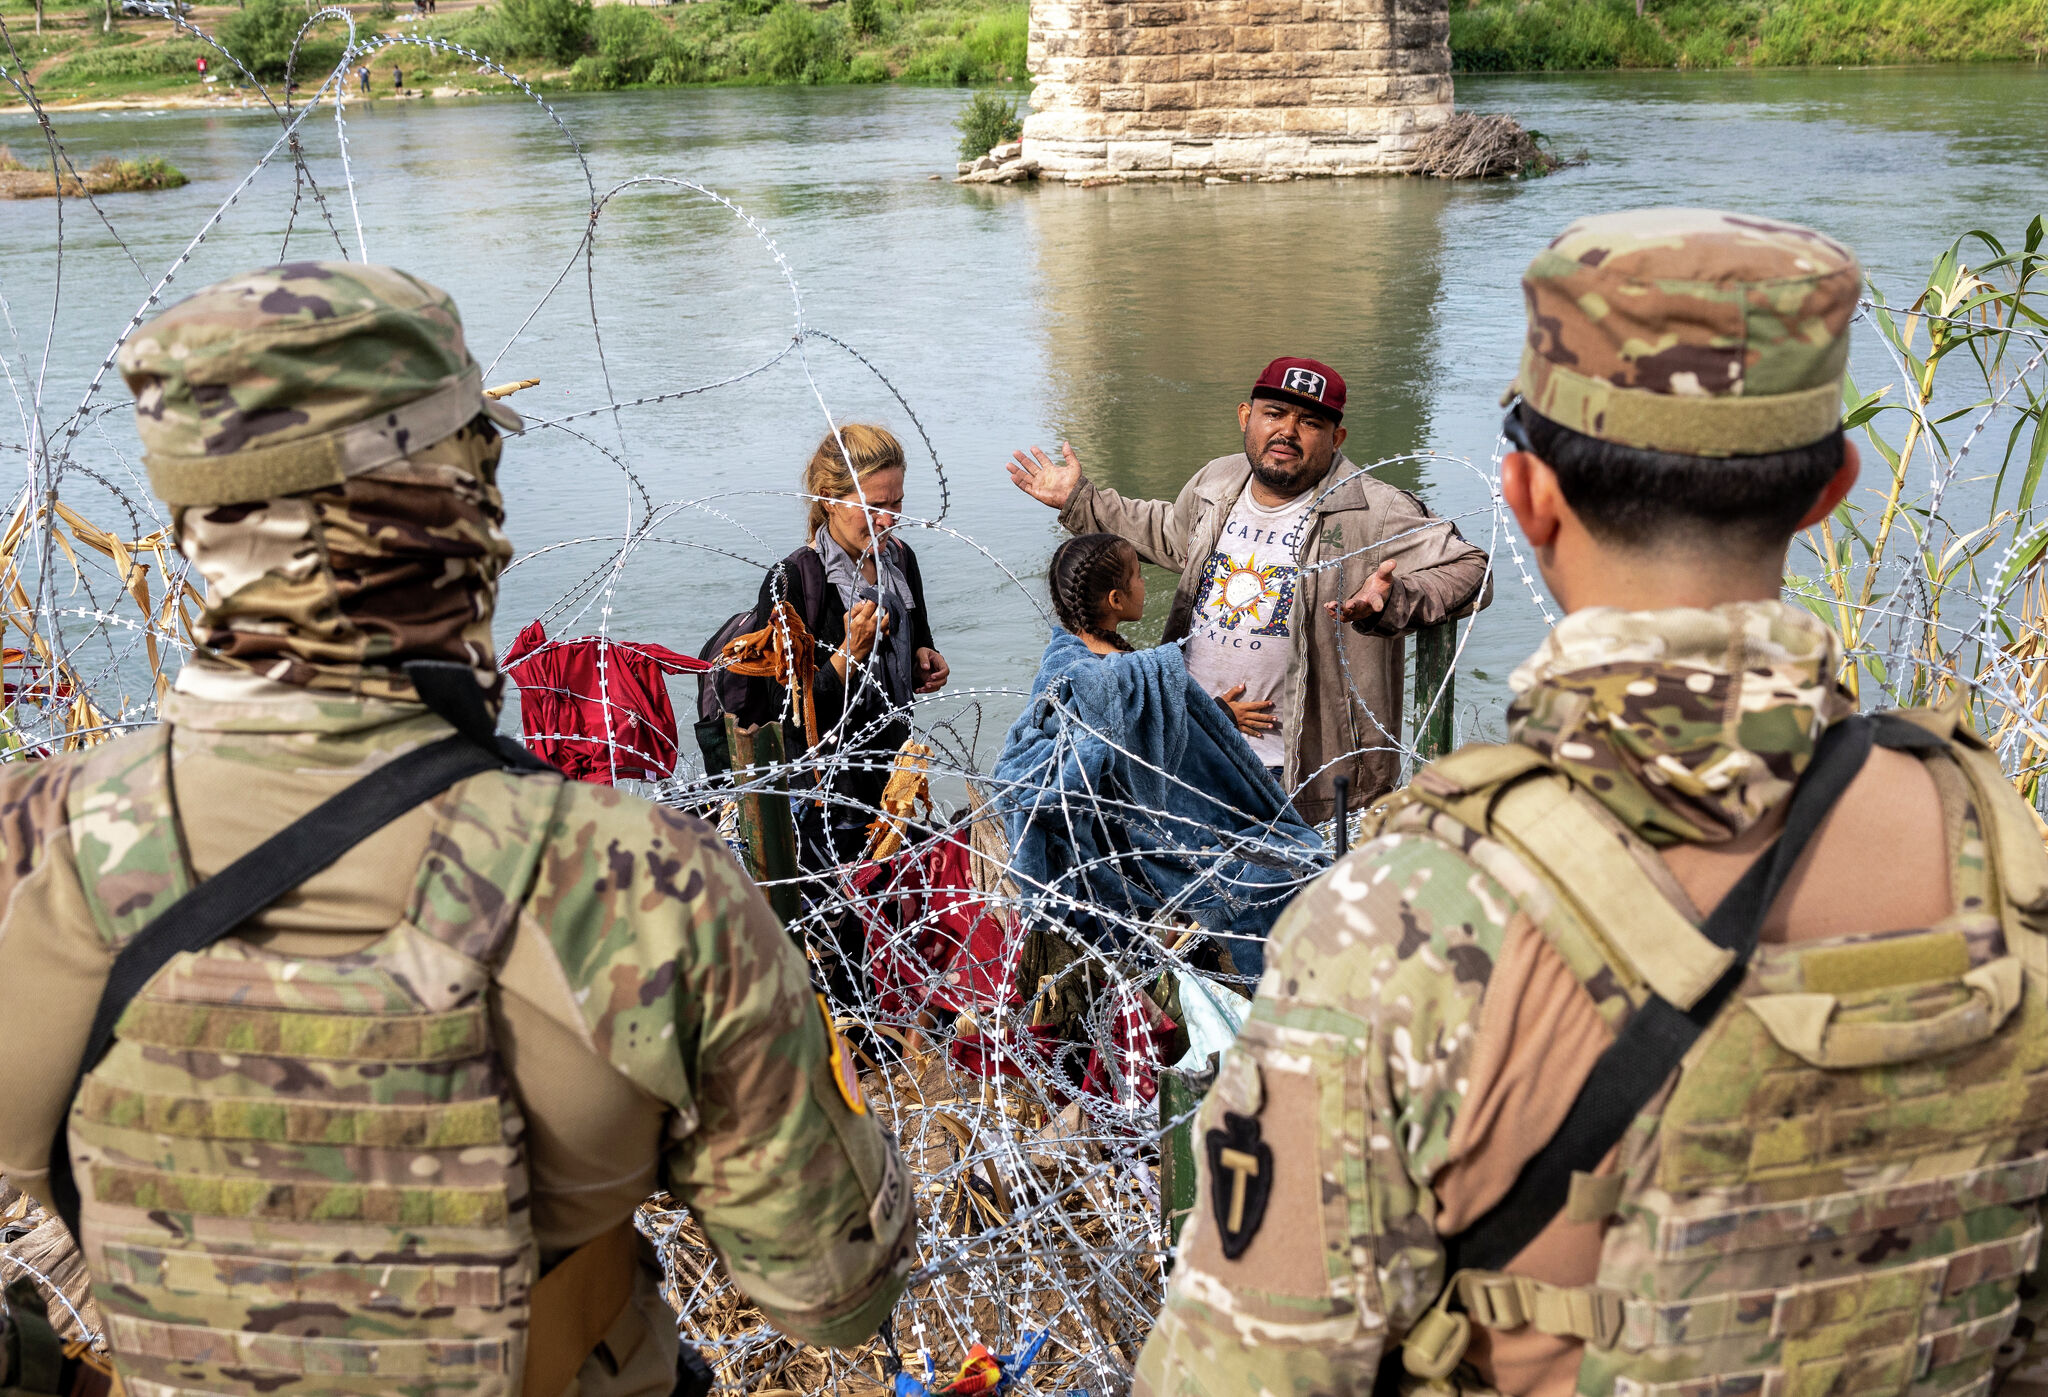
(1837, 489)
(1530, 487)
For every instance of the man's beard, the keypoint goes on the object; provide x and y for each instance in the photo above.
(1288, 480)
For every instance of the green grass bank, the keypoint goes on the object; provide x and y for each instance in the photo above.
(557, 44)
(1491, 36)
(571, 44)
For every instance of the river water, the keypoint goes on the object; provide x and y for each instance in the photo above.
(1128, 320)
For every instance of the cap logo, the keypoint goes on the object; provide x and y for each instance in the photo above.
(1306, 382)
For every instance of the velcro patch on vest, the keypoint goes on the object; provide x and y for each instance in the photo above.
(460, 1033)
(1800, 1221)
(283, 1120)
(211, 1196)
(321, 1357)
(386, 1284)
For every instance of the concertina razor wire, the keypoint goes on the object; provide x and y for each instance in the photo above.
(1028, 1113)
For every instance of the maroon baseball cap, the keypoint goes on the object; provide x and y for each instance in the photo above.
(1303, 381)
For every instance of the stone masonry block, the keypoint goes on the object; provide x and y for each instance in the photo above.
(1253, 65)
(1162, 41)
(1314, 121)
(1176, 89)
(1330, 36)
(1064, 128)
(1147, 71)
(1140, 155)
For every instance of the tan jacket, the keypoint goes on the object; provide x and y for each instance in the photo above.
(1341, 706)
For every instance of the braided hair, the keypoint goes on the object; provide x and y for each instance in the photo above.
(1085, 569)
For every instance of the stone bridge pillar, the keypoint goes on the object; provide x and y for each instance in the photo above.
(1181, 89)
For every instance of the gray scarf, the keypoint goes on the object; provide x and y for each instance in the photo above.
(891, 592)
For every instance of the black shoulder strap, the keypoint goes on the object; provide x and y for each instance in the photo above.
(1657, 1036)
(214, 908)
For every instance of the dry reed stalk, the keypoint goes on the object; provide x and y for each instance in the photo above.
(980, 1190)
(46, 1255)
(1471, 146)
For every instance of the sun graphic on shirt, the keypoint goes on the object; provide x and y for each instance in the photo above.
(1245, 588)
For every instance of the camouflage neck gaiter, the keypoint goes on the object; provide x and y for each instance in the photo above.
(335, 589)
(1690, 725)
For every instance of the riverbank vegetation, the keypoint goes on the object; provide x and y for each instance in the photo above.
(106, 175)
(552, 43)
(1533, 35)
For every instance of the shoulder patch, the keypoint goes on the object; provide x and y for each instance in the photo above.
(1240, 1181)
(845, 1075)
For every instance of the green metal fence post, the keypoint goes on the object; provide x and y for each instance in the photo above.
(1436, 652)
(1179, 1093)
(764, 816)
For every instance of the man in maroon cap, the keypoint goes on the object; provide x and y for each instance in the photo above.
(1313, 534)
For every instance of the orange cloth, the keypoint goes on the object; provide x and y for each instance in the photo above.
(784, 651)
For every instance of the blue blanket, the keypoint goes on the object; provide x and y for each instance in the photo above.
(1123, 785)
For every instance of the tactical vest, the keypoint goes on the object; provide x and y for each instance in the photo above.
(1838, 1191)
(306, 1173)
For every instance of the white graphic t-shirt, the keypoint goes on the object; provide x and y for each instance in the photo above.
(1244, 618)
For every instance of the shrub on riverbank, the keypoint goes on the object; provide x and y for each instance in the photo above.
(557, 29)
(753, 41)
(106, 175)
(1534, 35)
(260, 34)
(987, 122)
(127, 62)
(566, 42)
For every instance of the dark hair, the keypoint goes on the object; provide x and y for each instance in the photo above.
(1635, 497)
(1085, 569)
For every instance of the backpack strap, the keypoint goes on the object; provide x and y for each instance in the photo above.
(2012, 829)
(1512, 793)
(1658, 1035)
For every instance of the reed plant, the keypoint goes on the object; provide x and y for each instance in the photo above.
(1933, 572)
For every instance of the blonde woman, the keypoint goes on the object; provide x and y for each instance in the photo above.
(859, 591)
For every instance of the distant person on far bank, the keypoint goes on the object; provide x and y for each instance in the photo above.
(1266, 541)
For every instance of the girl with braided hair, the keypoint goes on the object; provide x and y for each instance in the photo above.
(1096, 586)
(1127, 790)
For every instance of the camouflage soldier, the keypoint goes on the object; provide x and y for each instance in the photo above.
(1691, 1042)
(349, 1150)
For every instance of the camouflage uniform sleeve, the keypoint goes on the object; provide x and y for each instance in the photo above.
(1342, 1086)
(50, 948)
(693, 990)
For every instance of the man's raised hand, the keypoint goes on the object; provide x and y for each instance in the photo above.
(1367, 600)
(1044, 479)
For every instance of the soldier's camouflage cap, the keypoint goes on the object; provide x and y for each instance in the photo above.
(296, 377)
(1689, 330)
